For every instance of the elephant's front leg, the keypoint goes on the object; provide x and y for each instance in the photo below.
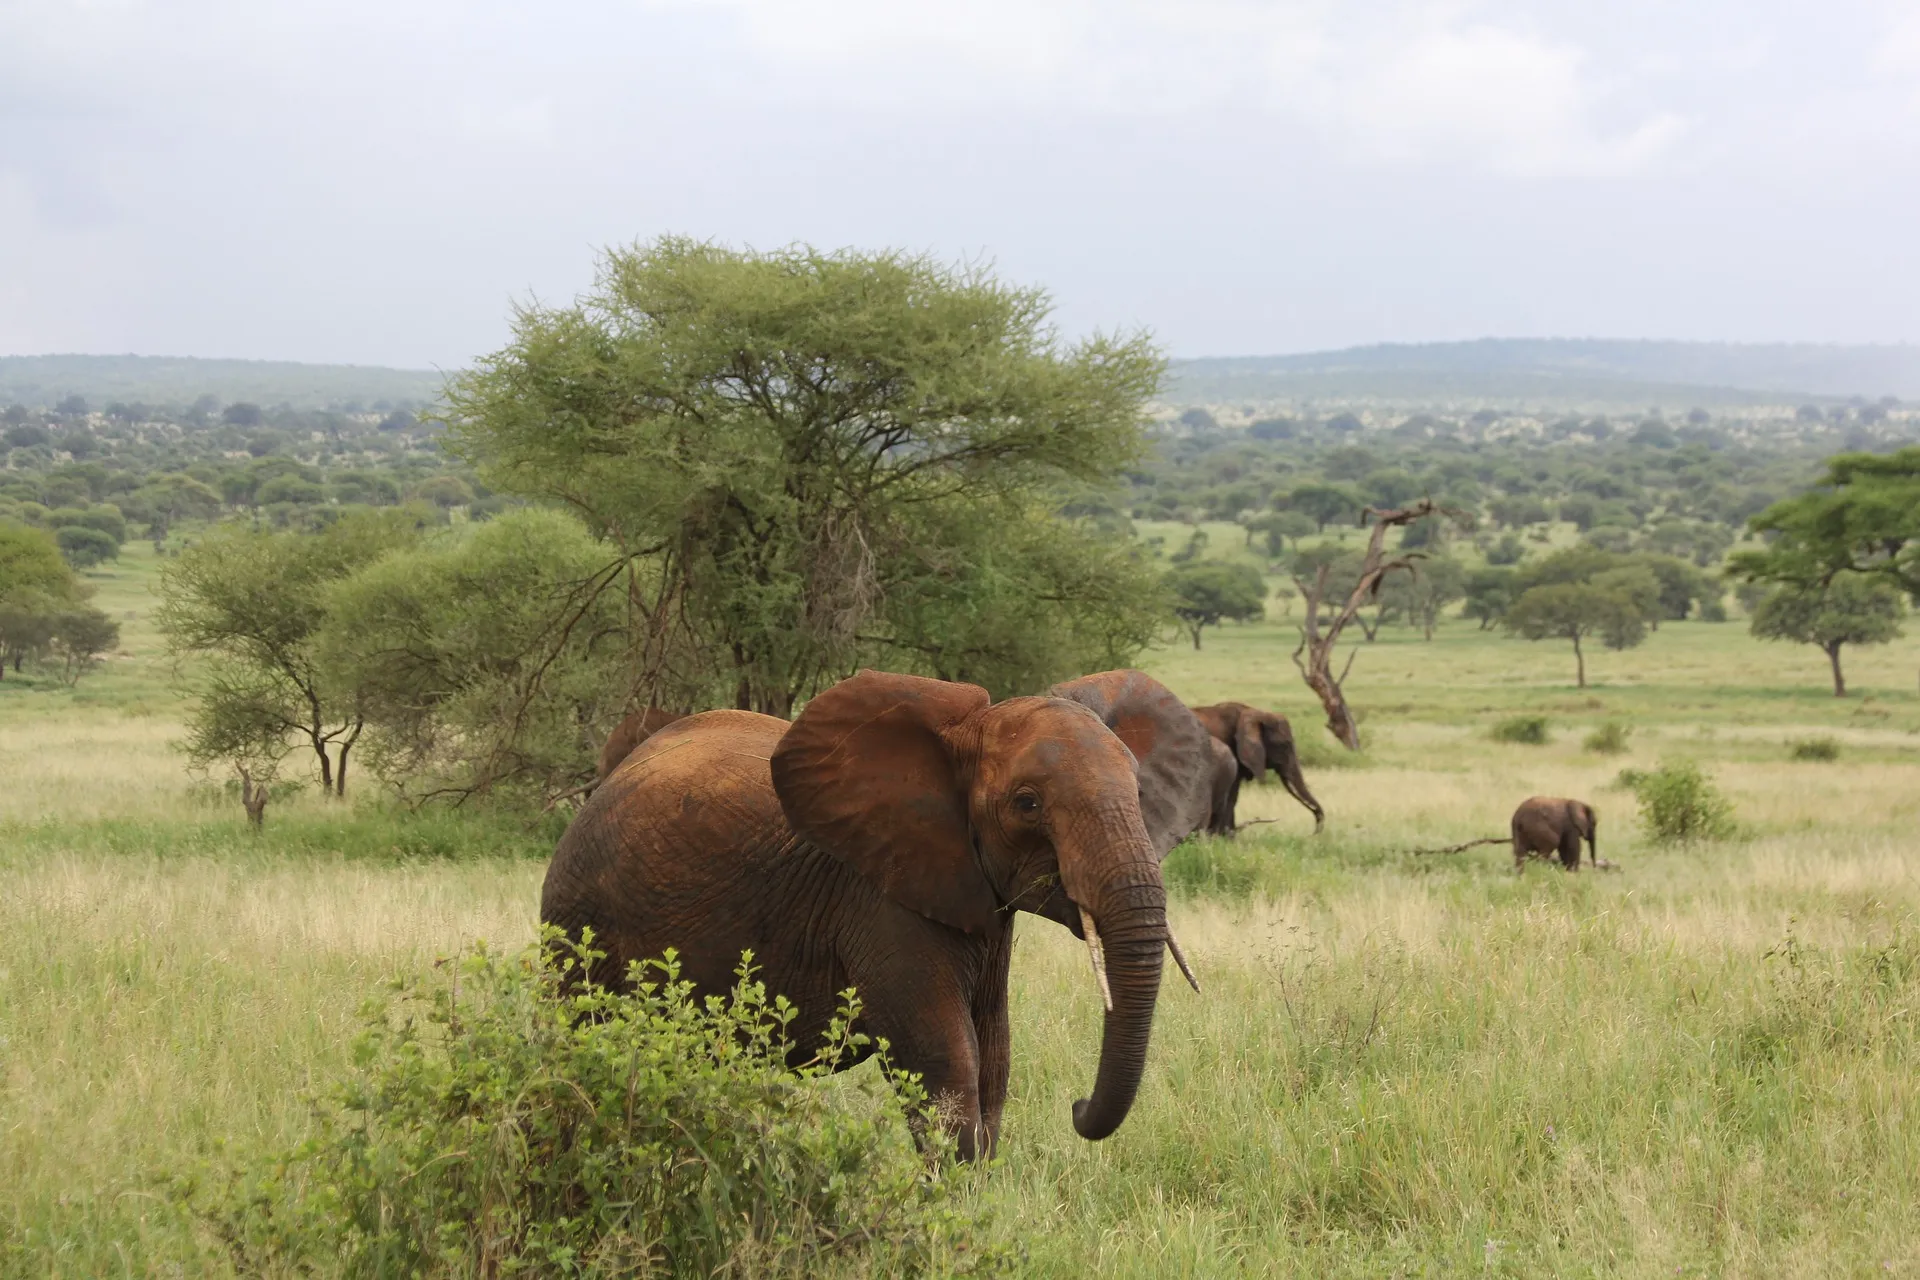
(995, 1040)
(927, 1022)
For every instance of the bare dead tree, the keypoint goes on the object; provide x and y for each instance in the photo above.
(1319, 636)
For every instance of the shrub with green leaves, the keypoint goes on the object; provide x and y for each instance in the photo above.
(1814, 749)
(1529, 730)
(1679, 804)
(1609, 739)
(500, 1121)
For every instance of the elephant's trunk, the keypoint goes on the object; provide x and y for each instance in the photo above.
(1296, 784)
(1130, 913)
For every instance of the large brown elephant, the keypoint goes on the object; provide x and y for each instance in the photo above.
(1260, 740)
(883, 841)
(1554, 824)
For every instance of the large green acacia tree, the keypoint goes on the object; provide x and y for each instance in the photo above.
(819, 459)
(1863, 517)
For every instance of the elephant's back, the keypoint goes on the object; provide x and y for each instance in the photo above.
(1218, 720)
(677, 827)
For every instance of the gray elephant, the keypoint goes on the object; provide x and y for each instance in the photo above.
(1178, 778)
(1553, 824)
(1260, 740)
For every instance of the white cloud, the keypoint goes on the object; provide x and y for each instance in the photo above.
(1398, 83)
(1511, 102)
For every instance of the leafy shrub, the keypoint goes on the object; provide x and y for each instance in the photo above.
(1680, 804)
(1814, 749)
(1609, 739)
(1530, 730)
(498, 1123)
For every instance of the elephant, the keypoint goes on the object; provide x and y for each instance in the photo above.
(1260, 740)
(884, 841)
(1177, 778)
(1550, 824)
(630, 733)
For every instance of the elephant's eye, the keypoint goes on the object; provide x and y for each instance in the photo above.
(1026, 802)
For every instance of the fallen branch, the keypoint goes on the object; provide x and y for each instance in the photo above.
(1456, 848)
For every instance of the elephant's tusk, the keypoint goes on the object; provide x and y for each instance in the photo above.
(1099, 956)
(1180, 958)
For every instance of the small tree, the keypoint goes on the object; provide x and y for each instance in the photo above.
(1208, 591)
(79, 636)
(84, 547)
(1324, 504)
(1489, 594)
(1851, 609)
(36, 585)
(1574, 611)
(253, 603)
(1419, 595)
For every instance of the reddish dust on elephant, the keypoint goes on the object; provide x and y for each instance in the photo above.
(884, 841)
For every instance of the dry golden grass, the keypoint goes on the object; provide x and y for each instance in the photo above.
(1704, 1064)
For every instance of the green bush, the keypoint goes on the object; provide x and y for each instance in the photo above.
(1530, 730)
(1814, 749)
(1609, 739)
(1679, 803)
(498, 1123)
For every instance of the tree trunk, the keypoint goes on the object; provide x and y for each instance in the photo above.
(1579, 662)
(1839, 681)
(340, 779)
(1194, 627)
(1314, 655)
(326, 762)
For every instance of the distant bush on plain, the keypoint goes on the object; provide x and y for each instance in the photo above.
(1609, 739)
(1679, 803)
(1814, 749)
(1527, 730)
(499, 1123)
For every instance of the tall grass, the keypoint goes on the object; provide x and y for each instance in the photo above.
(1400, 1065)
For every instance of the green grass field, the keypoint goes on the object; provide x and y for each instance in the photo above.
(1705, 1064)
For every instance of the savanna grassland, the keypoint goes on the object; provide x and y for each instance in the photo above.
(1706, 1063)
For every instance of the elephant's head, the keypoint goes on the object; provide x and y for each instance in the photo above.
(965, 811)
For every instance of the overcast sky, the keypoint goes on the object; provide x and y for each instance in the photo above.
(376, 181)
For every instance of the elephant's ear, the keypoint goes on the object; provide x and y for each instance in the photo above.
(1248, 746)
(1172, 746)
(867, 773)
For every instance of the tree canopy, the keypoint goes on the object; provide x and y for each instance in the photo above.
(1206, 592)
(807, 448)
(1863, 517)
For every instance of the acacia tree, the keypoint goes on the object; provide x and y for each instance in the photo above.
(1207, 592)
(775, 436)
(252, 605)
(1863, 517)
(1851, 609)
(1616, 604)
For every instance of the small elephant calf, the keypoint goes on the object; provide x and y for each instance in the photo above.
(1552, 824)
